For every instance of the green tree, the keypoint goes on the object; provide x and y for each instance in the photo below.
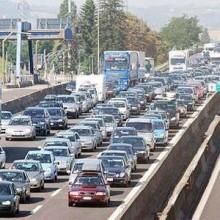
(181, 32)
(112, 18)
(88, 33)
(205, 38)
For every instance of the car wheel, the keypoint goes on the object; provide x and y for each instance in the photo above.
(7, 139)
(42, 186)
(24, 199)
(17, 210)
(13, 213)
(70, 204)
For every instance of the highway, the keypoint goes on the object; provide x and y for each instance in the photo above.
(52, 203)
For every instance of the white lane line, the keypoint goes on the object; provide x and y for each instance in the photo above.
(55, 192)
(36, 209)
(208, 191)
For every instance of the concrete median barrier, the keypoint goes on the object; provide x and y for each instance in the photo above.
(153, 192)
(18, 105)
(188, 191)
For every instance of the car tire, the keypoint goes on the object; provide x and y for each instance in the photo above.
(42, 186)
(70, 204)
(7, 139)
(24, 199)
(18, 209)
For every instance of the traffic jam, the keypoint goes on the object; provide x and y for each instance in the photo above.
(129, 127)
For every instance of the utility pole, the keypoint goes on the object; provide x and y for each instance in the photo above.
(98, 43)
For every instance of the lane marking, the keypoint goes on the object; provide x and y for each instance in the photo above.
(36, 209)
(55, 192)
(200, 208)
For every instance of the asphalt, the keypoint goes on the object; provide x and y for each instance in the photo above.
(52, 202)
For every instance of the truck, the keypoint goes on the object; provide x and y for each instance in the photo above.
(178, 60)
(120, 70)
(149, 65)
(214, 57)
(141, 66)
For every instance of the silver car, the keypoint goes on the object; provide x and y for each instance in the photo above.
(2, 158)
(20, 127)
(63, 158)
(87, 136)
(5, 119)
(74, 139)
(34, 171)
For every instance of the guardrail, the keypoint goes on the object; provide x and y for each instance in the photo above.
(152, 193)
(188, 191)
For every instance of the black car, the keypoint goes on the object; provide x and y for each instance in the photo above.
(40, 119)
(58, 118)
(9, 198)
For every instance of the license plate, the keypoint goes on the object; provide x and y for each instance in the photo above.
(110, 179)
(87, 198)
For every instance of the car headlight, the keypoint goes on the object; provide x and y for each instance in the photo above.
(173, 119)
(101, 193)
(42, 123)
(122, 174)
(34, 180)
(60, 120)
(6, 202)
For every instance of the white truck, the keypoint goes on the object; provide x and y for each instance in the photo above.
(178, 60)
(94, 80)
(141, 64)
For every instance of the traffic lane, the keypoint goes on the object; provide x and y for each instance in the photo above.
(57, 208)
(15, 93)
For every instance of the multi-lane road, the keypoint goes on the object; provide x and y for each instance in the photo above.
(52, 203)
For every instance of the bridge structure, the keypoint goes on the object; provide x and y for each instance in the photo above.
(17, 30)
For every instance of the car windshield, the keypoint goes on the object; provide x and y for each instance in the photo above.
(124, 132)
(56, 143)
(109, 111)
(20, 121)
(112, 163)
(5, 190)
(77, 167)
(185, 90)
(6, 115)
(26, 166)
(59, 152)
(121, 148)
(82, 132)
(66, 99)
(137, 143)
(158, 125)
(43, 158)
(158, 105)
(185, 97)
(12, 176)
(151, 116)
(70, 137)
(89, 181)
(55, 112)
(90, 125)
(118, 104)
(35, 113)
(141, 126)
(108, 119)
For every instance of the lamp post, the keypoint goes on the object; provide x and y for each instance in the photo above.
(98, 36)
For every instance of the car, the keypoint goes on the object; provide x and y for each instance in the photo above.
(160, 132)
(95, 126)
(110, 123)
(87, 137)
(89, 188)
(117, 171)
(135, 107)
(6, 117)
(182, 108)
(50, 104)
(71, 86)
(58, 118)
(50, 98)
(9, 198)
(63, 158)
(70, 106)
(122, 106)
(144, 129)
(188, 90)
(20, 180)
(33, 170)
(101, 124)
(47, 160)
(123, 131)
(140, 148)
(20, 127)
(40, 119)
(90, 164)
(78, 101)
(74, 139)
(128, 148)
(56, 141)
(84, 103)
(111, 111)
(2, 158)
(188, 101)
(163, 114)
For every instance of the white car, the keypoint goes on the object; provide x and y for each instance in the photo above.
(5, 120)
(74, 139)
(122, 106)
(20, 127)
(2, 158)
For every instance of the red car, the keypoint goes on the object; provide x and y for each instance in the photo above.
(89, 188)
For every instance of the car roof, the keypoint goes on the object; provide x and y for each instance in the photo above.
(57, 139)
(4, 182)
(22, 116)
(81, 127)
(12, 170)
(125, 128)
(6, 112)
(67, 132)
(114, 151)
(56, 147)
(23, 161)
(35, 108)
(39, 152)
(88, 160)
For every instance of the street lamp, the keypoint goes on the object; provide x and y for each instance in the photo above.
(98, 40)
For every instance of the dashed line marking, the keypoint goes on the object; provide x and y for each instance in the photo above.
(36, 209)
(55, 192)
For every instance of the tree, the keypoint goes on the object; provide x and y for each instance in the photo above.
(205, 38)
(181, 32)
(88, 33)
(112, 18)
